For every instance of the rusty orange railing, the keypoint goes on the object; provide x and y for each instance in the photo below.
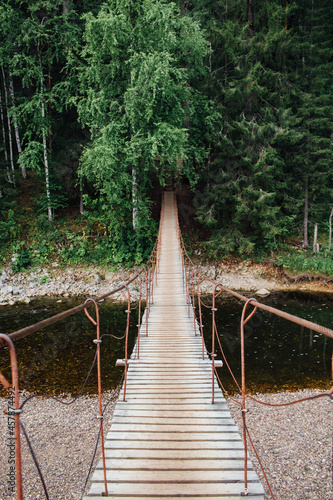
(192, 279)
(147, 275)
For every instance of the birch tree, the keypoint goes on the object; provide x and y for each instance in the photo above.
(139, 99)
(16, 128)
(9, 128)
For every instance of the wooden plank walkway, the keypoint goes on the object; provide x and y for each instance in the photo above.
(167, 440)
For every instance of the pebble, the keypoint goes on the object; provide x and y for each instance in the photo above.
(63, 439)
(294, 443)
(78, 282)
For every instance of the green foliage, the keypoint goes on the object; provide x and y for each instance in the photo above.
(21, 261)
(303, 262)
(269, 80)
(9, 229)
(135, 93)
(139, 98)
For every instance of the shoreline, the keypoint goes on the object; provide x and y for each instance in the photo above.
(80, 281)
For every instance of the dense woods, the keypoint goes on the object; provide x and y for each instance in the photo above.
(104, 103)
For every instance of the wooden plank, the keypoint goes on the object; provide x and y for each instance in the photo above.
(172, 436)
(118, 443)
(177, 476)
(166, 400)
(162, 392)
(133, 411)
(167, 440)
(161, 490)
(180, 407)
(157, 427)
(137, 418)
(171, 464)
(176, 454)
(164, 497)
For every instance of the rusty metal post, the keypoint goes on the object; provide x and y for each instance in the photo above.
(147, 299)
(98, 341)
(213, 343)
(193, 305)
(128, 312)
(16, 411)
(200, 319)
(244, 410)
(188, 300)
(183, 270)
(139, 316)
(152, 283)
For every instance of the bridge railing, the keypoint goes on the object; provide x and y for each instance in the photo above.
(193, 278)
(145, 277)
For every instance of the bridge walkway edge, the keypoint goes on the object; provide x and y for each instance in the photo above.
(167, 440)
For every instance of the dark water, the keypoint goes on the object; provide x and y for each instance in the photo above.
(279, 355)
(57, 359)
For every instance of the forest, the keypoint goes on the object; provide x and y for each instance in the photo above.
(104, 103)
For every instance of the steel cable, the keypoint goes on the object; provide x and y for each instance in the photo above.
(98, 436)
(55, 397)
(259, 461)
(34, 459)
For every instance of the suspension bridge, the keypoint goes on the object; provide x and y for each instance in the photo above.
(171, 434)
(167, 438)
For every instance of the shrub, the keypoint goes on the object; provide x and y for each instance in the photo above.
(21, 261)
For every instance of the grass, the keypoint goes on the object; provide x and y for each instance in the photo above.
(301, 261)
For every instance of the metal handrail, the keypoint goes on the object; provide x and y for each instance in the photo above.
(189, 272)
(149, 271)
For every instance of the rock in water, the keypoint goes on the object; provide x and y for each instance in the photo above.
(262, 292)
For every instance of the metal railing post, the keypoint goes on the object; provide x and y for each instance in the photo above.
(14, 411)
(98, 341)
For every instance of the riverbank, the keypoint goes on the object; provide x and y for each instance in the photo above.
(296, 451)
(86, 281)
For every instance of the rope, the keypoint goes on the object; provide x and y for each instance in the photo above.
(187, 263)
(224, 390)
(35, 460)
(98, 436)
(55, 397)
(259, 461)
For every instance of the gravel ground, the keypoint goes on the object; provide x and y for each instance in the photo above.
(63, 438)
(294, 444)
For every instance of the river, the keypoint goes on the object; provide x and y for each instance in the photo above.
(279, 355)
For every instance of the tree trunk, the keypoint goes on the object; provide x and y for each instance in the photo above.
(46, 160)
(4, 140)
(65, 7)
(315, 238)
(81, 199)
(306, 215)
(250, 16)
(134, 199)
(330, 231)
(17, 134)
(9, 129)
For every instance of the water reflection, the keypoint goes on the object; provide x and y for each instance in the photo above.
(57, 359)
(280, 355)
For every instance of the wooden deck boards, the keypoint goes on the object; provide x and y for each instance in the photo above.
(167, 440)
